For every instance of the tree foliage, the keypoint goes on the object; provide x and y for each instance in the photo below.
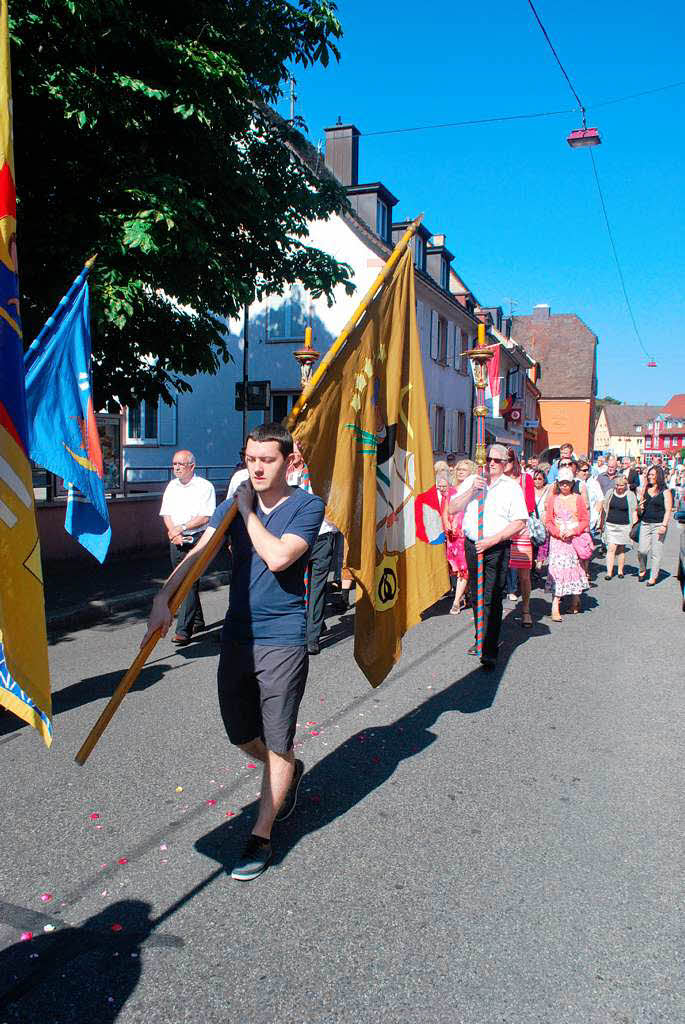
(143, 133)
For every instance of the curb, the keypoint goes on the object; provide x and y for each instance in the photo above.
(82, 615)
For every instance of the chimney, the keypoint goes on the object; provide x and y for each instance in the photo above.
(541, 311)
(342, 152)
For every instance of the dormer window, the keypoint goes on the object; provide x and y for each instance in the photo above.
(419, 253)
(382, 219)
(444, 274)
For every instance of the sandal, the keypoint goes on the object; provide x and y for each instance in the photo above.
(455, 609)
(556, 618)
(526, 621)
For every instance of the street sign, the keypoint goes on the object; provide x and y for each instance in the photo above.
(531, 424)
(258, 395)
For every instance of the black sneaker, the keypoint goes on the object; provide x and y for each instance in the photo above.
(291, 797)
(254, 861)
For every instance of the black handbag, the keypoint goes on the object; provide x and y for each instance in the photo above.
(634, 533)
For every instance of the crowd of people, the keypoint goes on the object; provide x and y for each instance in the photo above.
(547, 530)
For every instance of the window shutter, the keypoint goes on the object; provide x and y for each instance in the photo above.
(449, 355)
(434, 334)
(431, 414)
(166, 423)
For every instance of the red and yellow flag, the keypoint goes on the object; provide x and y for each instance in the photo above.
(366, 439)
(24, 676)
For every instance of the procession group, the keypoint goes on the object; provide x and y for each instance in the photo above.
(544, 522)
(534, 518)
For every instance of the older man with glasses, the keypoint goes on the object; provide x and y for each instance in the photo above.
(504, 514)
(188, 503)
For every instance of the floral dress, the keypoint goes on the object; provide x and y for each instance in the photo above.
(565, 574)
(454, 536)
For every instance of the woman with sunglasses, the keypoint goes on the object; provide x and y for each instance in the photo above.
(656, 507)
(542, 491)
(521, 556)
(619, 515)
(567, 517)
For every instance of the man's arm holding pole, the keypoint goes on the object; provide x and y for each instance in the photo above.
(171, 596)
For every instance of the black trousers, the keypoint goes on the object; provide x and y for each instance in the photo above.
(190, 612)
(320, 562)
(495, 566)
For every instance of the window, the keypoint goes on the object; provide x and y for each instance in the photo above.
(444, 274)
(463, 359)
(461, 431)
(434, 343)
(439, 429)
(419, 253)
(141, 423)
(281, 404)
(512, 383)
(286, 317)
(382, 220)
(638, 430)
(442, 340)
(667, 442)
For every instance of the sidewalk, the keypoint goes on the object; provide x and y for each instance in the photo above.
(81, 594)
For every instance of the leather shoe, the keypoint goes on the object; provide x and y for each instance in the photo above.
(472, 650)
(180, 639)
(488, 664)
(313, 649)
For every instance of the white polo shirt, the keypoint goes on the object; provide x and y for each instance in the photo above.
(182, 502)
(504, 502)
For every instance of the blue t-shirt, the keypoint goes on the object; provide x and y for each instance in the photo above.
(268, 608)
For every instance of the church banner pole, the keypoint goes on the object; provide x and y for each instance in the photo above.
(480, 357)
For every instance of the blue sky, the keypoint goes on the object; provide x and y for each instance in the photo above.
(520, 208)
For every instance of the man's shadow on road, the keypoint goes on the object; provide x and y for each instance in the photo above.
(363, 763)
(81, 974)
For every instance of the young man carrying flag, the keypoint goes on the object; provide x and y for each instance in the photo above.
(264, 662)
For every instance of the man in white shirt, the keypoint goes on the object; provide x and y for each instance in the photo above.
(187, 506)
(504, 514)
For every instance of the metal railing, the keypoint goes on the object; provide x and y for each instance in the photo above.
(153, 479)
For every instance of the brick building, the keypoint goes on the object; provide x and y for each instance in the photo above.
(565, 353)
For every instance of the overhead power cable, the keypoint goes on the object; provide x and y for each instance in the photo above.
(524, 117)
(616, 259)
(556, 55)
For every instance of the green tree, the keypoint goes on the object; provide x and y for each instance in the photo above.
(143, 132)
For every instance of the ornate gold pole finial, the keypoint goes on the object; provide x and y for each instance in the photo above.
(306, 357)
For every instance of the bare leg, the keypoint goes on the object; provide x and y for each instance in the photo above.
(621, 560)
(278, 774)
(611, 553)
(462, 584)
(556, 615)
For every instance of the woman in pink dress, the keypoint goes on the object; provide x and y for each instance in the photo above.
(454, 536)
(566, 518)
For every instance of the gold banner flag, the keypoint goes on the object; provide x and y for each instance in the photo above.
(365, 436)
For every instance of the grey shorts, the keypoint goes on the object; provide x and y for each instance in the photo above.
(260, 690)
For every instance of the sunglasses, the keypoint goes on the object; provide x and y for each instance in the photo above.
(565, 463)
(583, 469)
(499, 461)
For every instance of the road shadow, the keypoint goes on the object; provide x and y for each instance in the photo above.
(360, 765)
(75, 975)
(100, 687)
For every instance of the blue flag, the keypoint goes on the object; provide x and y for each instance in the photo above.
(63, 434)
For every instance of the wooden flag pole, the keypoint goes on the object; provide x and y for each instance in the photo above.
(204, 558)
(353, 321)
(479, 357)
(208, 553)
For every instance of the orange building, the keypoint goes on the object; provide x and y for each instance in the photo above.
(565, 352)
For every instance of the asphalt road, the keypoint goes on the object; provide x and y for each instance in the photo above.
(468, 847)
